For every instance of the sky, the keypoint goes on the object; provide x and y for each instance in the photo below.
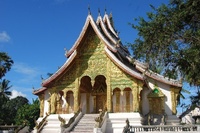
(35, 33)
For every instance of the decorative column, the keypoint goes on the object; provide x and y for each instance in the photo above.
(53, 100)
(174, 94)
(134, 93)
(41, 98)
(76, 95)
(76, 92)
(109, 88)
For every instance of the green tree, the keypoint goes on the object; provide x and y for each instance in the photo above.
(195, 100)
(5, 63)
(4, 98)
(170, 39)
(12, 106)
(28, 114)
(4, 88)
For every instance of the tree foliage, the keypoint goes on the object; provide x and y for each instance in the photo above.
(28, 114)
(170, 39)
(4, 99)
(4, 88)
(5, 63)
(195, 100)
(9, 109)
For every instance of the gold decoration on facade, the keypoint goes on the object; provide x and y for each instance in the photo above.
(41, 98)
(53, 101)
(109, 89)
(156, 101)
(92, 61)
(174, 94)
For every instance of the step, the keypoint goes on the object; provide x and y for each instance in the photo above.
(117, 121)
(50, 131)
(173, 120)
(86, 124)
(124, 115)
(53, 123)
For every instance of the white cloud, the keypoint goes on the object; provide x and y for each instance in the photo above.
(26, 74)
(16, 93)
(4, 37)
(25, 69)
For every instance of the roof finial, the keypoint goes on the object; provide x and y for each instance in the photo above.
(105, 10)
(89, 12)
(99, 12)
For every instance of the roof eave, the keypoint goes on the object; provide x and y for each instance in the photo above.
(59, 72)
(41, 90)
(123, 66)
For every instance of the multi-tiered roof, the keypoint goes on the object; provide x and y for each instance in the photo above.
(114, 49)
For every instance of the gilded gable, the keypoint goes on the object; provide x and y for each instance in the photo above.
(92, 58)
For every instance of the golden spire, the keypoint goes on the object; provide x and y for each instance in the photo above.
(105, 10)
(99, 12)
(89, 12)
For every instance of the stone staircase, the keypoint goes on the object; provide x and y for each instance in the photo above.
(53, 123)
(86, 124)
(117, 121)
(172, 120)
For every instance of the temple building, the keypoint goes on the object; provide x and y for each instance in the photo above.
(99, 73)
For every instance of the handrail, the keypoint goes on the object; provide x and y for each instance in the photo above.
(145, 128)
(10, 127)
(163, 128)
(100, 119)
(65, 127)
(41, 124)
(104, 118)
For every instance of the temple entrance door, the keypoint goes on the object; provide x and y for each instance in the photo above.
(100, 102)
(99, 91)
(156, 106)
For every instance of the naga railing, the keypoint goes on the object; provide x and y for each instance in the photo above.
(163, 128)
(66, 127)
(151, 128)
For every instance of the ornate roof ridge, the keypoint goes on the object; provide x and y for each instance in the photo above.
(142, 67)
(111, 45)
(91, 21)
(111, 28)
(106, 32)
(163, 79)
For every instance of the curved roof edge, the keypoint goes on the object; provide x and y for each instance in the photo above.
(40, 90)
(157, 76)
(163, 79)
(91, 21)
(99, 19)
(106, 18)
(122, 66)
(142, 67)
(56, 74)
